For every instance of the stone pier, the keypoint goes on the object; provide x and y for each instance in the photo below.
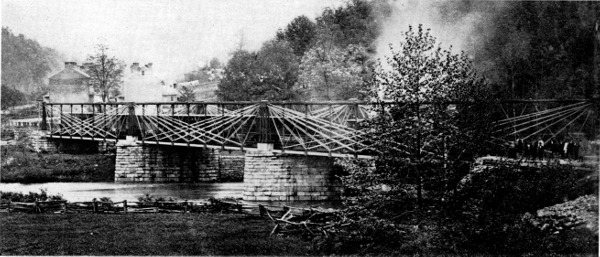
(279, 177)
(159, 163)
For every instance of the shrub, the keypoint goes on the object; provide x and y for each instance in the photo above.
(29, 197)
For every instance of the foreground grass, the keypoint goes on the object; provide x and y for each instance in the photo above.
(143, 234)
(23, 166)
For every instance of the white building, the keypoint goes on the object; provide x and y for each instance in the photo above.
(140, 84)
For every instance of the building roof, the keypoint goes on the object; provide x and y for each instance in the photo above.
(70, 74)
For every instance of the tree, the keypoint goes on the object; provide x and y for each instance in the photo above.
(239, 75)
(11, 97)
(357, 23)
(187, 94)
(25, 63)
(537, 49)
(106, 71)
(423, 143)
(268, 74)
(299, 33)
(215, 63)
(328, 72)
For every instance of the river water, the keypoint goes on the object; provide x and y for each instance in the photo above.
(78, 192)
(84, 192)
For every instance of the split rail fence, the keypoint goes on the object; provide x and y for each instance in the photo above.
(125, 207)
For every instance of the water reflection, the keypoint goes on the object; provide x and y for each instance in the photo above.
(76, 192)
(80, 192)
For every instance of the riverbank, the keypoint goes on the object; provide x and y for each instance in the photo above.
(144, 234)
(21, 165)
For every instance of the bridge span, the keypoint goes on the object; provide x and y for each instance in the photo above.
(302, 128)
(283, 150)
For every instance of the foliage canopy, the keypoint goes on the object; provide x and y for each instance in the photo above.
(106, 72)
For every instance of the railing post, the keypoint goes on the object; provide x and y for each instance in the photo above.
(131, 121)
(125, 206)
(263, 123)
(94, 205)
(189, 126)
(44, 125)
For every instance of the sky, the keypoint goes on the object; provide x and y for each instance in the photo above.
(177, 36)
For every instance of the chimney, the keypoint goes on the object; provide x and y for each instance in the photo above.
(70, 65)
(135, 66)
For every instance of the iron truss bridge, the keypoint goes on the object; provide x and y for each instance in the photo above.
(323, 129)
(305, 128)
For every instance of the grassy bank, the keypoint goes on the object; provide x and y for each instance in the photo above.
(21, 165)
(144, 234)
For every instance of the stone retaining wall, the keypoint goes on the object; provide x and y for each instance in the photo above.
(276, 177)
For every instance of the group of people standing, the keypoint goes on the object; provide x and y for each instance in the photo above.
(540, 149)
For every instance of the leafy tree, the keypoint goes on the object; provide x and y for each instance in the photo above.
(299, 33)
(187, 94)
(265, 75)
(215, 63)
(25, 63)
(357, 23)
(328, 72)
(106, 71)
(538, 49)
(239, 75)
(278, 71)
(11, 97)
(424, 142)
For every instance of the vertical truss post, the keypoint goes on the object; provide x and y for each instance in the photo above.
(44, 125)
(142, 126)
(282, 136)
(120, 126)
(172, 117)
(205, 116)
(131, 119)
(51, 118)
(82, 119)
(330, 125)
(93, 119)
(263, 123)
(356, 127)
(156, 133)
(223, 117)
(105, 122)
(305, 117)
(188, 124)
(71, 113)
(61, 121)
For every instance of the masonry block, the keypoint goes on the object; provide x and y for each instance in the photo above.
(155, 163)
(269, 176)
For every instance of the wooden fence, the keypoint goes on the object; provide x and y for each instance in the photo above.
(125, 207)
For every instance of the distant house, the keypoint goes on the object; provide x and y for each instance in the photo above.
(204, 91)
(140, 84)
(170, 94)
(71, 85)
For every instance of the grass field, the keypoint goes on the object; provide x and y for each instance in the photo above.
(143, 234)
